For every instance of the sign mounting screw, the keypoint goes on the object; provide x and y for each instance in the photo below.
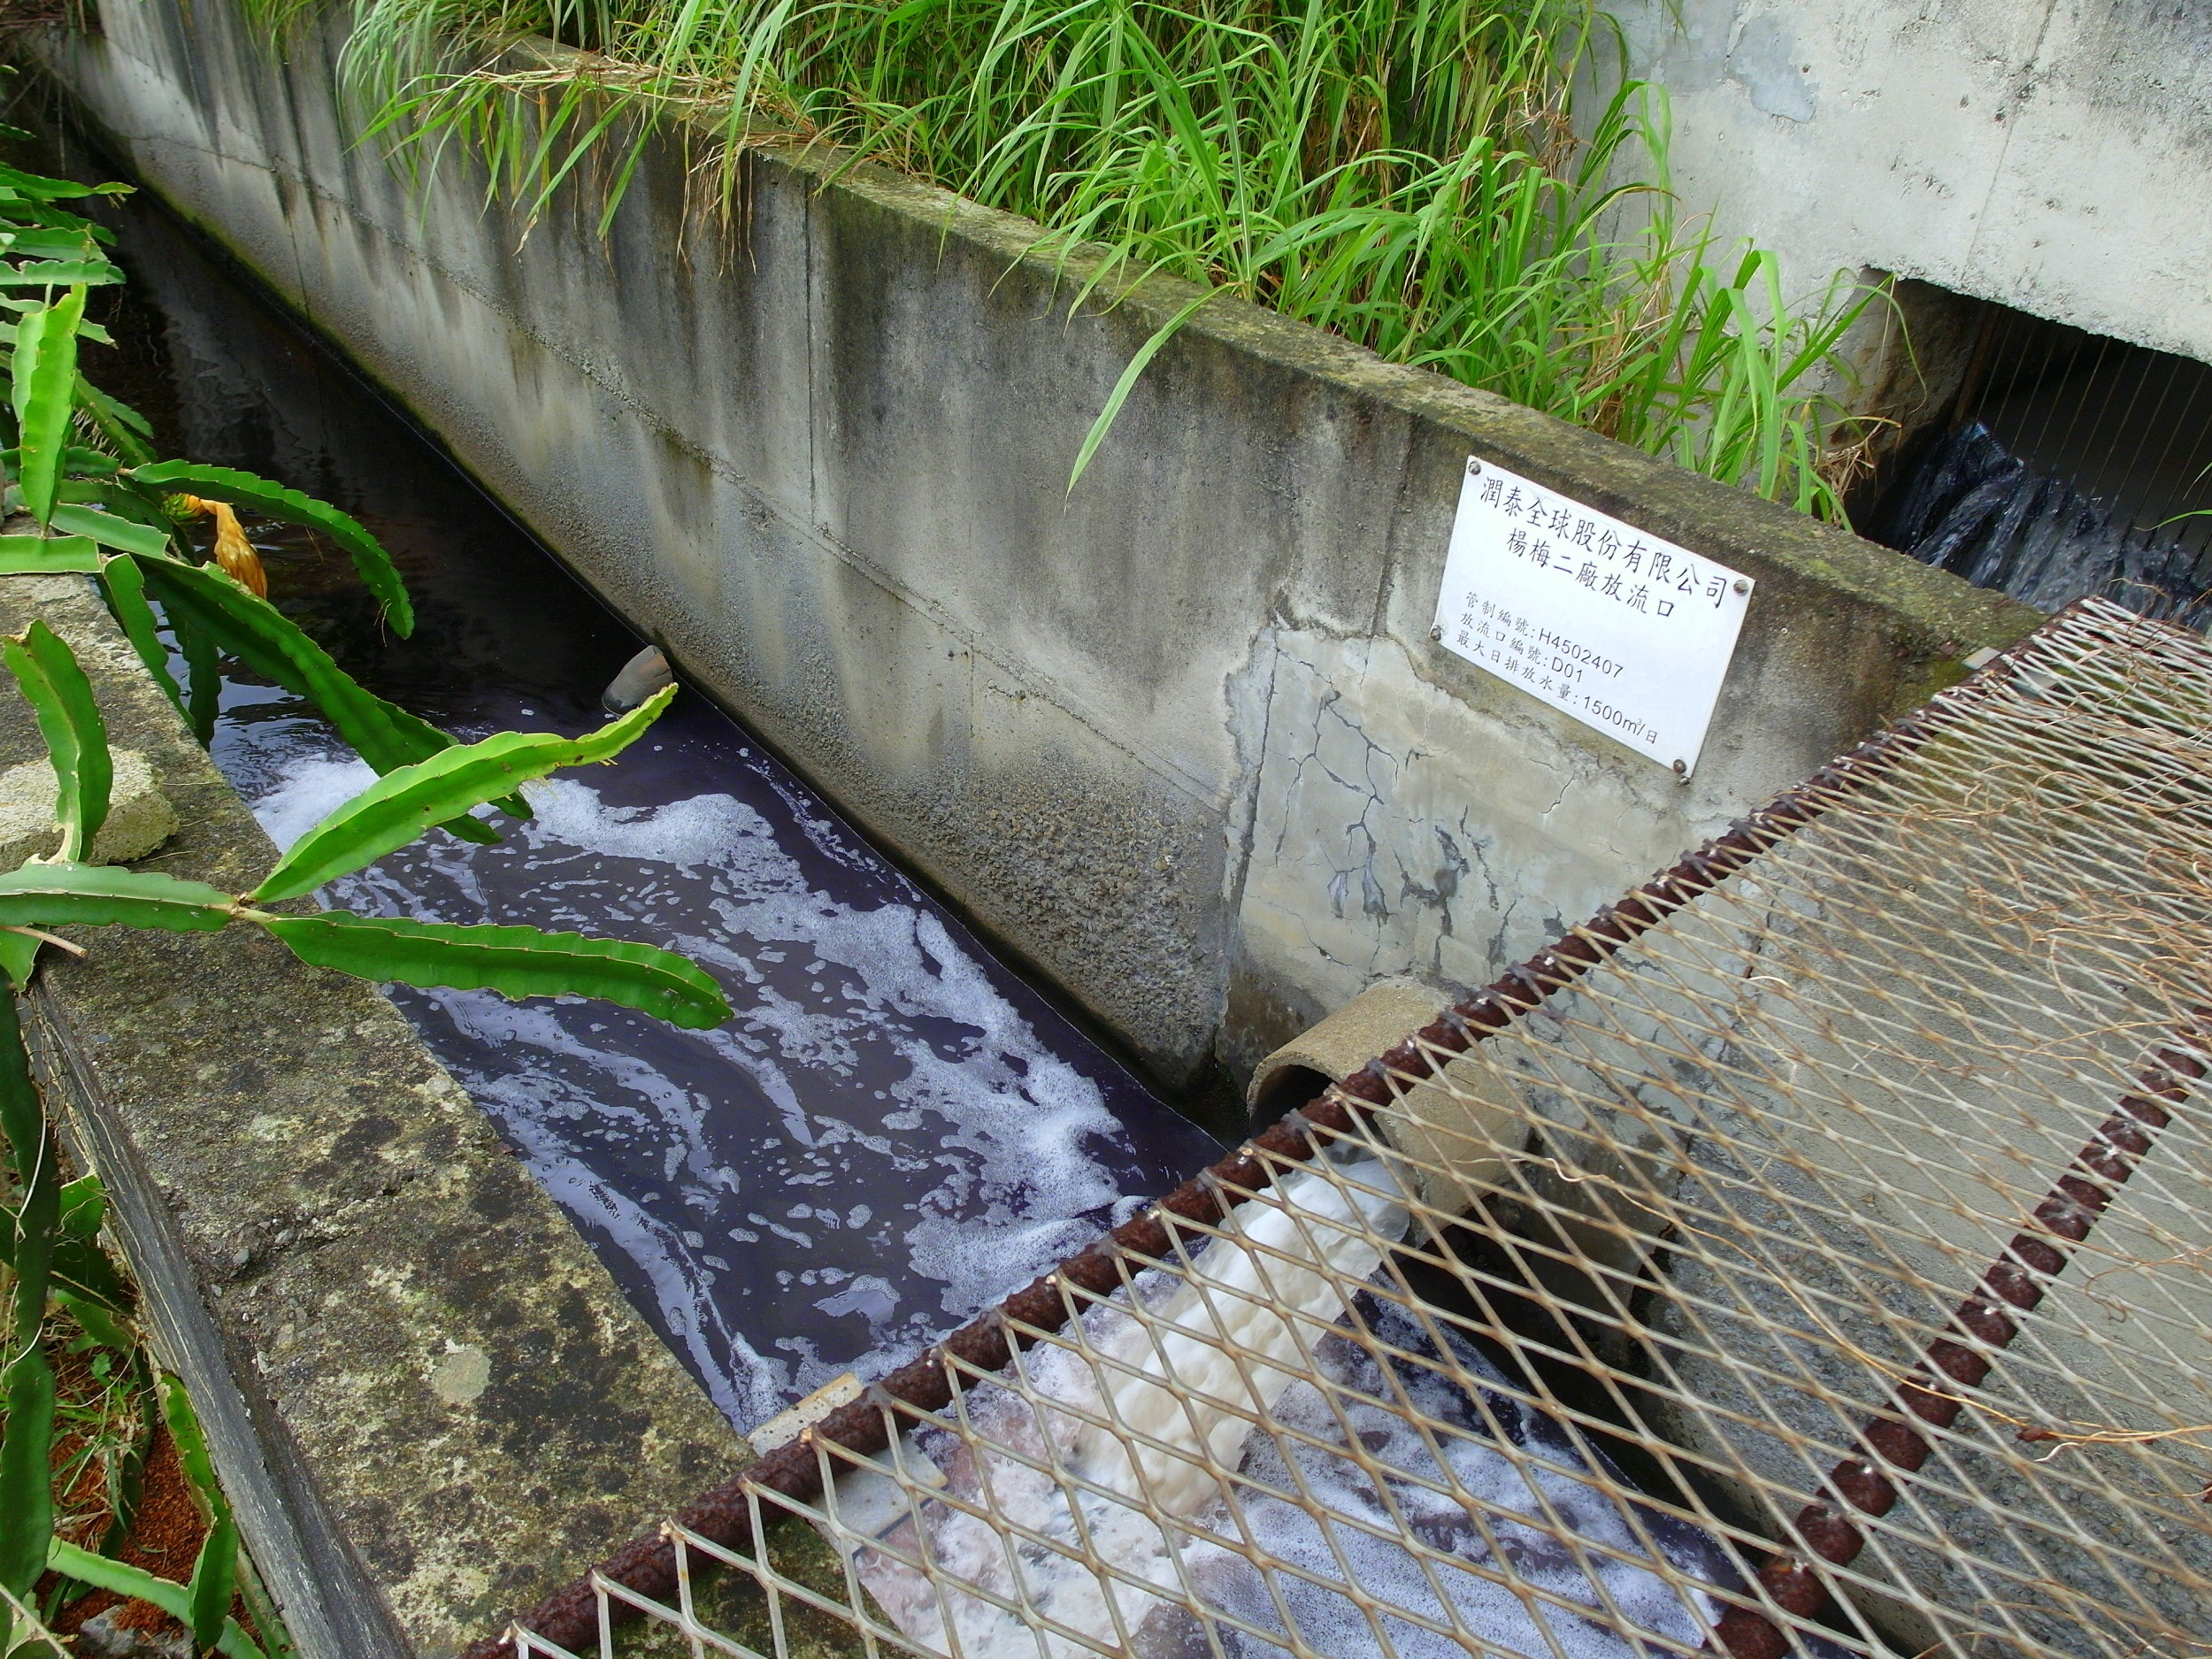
(1743, 585)
(1436, 633)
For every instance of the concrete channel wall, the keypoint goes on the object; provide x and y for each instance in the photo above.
(1180, 738)
(2050, 155)
(427, 1400)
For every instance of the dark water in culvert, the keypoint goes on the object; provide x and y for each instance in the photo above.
(1974, 507)
(2066, 465)
(895, 1131)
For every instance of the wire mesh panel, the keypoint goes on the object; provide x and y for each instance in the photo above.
(1807, 1256)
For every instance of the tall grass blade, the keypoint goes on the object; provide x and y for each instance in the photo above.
(1126, 384)
(1415, 178)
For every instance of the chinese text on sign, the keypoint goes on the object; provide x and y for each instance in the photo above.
(1630, 634)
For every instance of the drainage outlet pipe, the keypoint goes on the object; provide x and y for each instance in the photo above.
(641, 676)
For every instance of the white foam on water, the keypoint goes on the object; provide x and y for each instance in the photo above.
(1196, 1389)
(1004, 1213)
(629, 1089)
(1161, 1519)
(706, 829)
(655, 1246)
(308, 792)
(985, 1137)
(1363, 1549)
(1237, 1329)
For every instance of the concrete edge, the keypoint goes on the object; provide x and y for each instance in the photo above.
(319, 1586)
(425, 1394)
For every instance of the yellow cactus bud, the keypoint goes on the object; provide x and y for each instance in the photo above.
(233, 552)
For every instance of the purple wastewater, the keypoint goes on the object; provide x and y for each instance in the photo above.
(893, 1133)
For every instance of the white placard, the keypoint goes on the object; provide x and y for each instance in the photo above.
(1630, 634)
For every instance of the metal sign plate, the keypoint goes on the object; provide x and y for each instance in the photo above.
(1628, 633)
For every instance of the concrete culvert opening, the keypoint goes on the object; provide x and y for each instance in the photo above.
(1289, 1089)
(1804, 1256)
(2043, 460)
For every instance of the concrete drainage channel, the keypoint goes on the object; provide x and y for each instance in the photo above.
(896, 1129)
(1212, 796)
(827, 469)
(1626, 1307)
(1557, 1261)
(781, 1198)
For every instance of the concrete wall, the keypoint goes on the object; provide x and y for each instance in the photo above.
(427, 1400)
(1181, 738)
(2051, 155)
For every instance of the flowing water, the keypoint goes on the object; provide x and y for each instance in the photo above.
(1370, 1439)
(895, 1132)
(1974, 507)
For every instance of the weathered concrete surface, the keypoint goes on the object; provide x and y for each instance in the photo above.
(427, 1399)
(1181, 738)
(140, 816)
(2050, 155)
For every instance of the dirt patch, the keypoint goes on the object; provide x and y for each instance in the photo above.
(165, 1535)
(103, 1416)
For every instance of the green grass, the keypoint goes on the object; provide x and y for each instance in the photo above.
(1410, 174)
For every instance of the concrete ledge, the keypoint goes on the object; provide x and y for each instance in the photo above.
(428, 1401)
(1181, 739)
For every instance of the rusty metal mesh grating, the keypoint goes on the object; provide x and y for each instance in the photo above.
(1807, 1255)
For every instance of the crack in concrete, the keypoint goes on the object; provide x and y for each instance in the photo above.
(1373, 901)
(1452, 864)
(1377, 881)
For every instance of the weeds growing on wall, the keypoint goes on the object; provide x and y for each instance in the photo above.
(1408, 173)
